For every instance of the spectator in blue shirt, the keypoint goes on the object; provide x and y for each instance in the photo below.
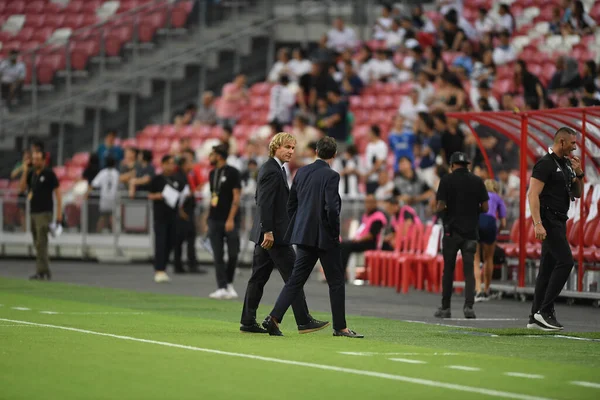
(465, 61)
(108, 148)
(402, 141)
(430, 144)
(351, 83)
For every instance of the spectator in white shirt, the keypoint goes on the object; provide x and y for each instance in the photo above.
(506, 21)
(281, 102)
(484, 23)
(12, 73)
(375, 158)
(504, 53)
(341, 37)
(385, 188)
(107, 181)
(299, 65)
(348, 167)
(410, 107)
(380, 68)
(394, 38)
(483, 92)
(425, 88)
(383, 23)
(281, 66)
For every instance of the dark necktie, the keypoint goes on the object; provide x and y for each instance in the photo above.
(285, 177)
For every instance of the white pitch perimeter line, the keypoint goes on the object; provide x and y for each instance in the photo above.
(381, 375)
(408, 360)
(21, 308)
(587, 384)
(463, 368)
(483, 319)
(522, 375)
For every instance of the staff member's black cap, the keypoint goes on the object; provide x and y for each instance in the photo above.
(221, 150)
(459, 158)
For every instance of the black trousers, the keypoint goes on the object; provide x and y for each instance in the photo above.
(451, 245)
(218, 236)
(555, 264)
(164, 239)
(349, 247)
(186, 232)
(263, 261)
(306, 258)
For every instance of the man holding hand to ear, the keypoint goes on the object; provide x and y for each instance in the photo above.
(556, 180)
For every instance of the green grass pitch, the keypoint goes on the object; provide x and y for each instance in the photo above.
(62, 341)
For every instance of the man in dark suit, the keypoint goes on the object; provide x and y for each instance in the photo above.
(314, 210)
(271, 250)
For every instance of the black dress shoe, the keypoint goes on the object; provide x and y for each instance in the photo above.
(179, 271)
(469, 313)
(40, 276)
(312, 326)
(443, 313)
(254, 328)
(350, 333)
(271, 327)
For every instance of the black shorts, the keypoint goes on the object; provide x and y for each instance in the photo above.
(487, 229)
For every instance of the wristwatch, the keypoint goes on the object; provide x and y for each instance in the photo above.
(537, 223)
(580, 176)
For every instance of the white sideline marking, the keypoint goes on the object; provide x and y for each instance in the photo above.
(48, 312)
(463, 368)
(408, 360)
(587, 384)
(521, 375)
(370, 353)
(21, 308)
(91, 313)
(483, 319)
(400, 378)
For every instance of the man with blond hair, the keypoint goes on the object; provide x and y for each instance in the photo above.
(271, 250)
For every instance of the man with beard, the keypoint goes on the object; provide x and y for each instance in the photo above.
(271, 249)
(555, 181)
(224, 220)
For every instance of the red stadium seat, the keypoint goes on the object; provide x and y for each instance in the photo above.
(126, 5)
(180, 12)
(35, 21)
(48, 66)
(169, 131)
(261, 88)
(34, 7)
(74, 21)
(115, 39)
(15, 7)
(73, 7)
(90, 6)
(81, 53)
(42, 34)
(25, 34)
(80, 159)
(149, 24)
(74, 173)
(54, 21)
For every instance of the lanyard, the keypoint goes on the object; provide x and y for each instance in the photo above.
(568, 179)
(217, 180)
(34, 180)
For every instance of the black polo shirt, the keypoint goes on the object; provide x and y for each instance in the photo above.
(554, 172)
(222, 183)
(162, 212)
(40, 189)
(463, 193)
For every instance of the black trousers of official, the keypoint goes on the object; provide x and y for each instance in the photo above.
(164, 239)
(186, 232)
(555, 264)
(263, 262)
(218, 236)
(451, 245)
(349, 247)
(306, 257)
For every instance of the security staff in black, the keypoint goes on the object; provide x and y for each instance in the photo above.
(224, 220)
(461, 197)
(165, 218)
(556, 180)
(40, 183)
